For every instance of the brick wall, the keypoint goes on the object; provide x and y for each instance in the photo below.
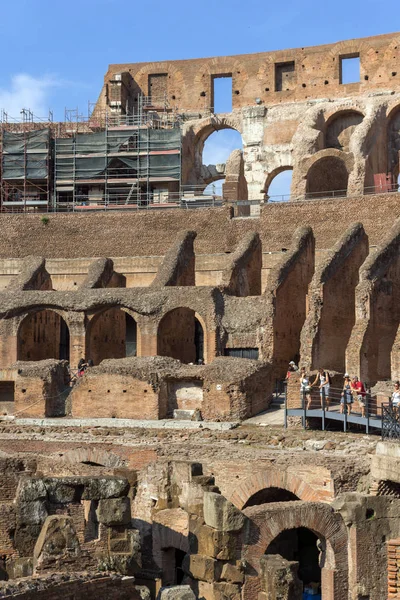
(270, 76)
(107, 396)
(73, 236)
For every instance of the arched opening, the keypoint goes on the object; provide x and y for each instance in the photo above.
(271, 494)
(393, 145)
(172, 571)
(43, 334)
(303, 546)
(181, 335)
(215, 189)
(328, 177)
(340, 127)
(112, 333)
(278, 185)
(216, 150)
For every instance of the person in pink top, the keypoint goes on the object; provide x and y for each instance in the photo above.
(358, 389)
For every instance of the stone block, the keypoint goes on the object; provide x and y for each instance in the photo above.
(105, 487)
(176, 592)
(220, 514)
(25, 538)
(219, 591)
(31, 489)
(210, 542)
(60, 492)
(202, 568)
(31, 513)
(20, 567)
(279, 578)
(114, 511)
(57, 544)
(232, 573)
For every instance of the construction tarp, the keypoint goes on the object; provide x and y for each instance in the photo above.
(25, 155)
(119, 154)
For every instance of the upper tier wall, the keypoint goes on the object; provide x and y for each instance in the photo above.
(152, 233)
(273, 77)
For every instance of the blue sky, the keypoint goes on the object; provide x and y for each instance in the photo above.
(54, 54)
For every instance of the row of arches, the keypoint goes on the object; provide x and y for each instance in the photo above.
(111, 333)
(328, 176)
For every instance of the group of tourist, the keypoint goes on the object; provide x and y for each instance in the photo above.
(353, 389)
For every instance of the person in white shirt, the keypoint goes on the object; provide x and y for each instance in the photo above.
(396, 395)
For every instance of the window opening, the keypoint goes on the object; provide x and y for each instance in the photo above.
(285, 76)
(350, 69)
(222, 94)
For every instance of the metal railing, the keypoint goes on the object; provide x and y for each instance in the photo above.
(390, 421)
(361, 410)
(369, 190)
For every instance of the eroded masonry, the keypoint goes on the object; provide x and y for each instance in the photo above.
(139, 477)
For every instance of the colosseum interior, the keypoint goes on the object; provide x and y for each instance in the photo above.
(184, 463)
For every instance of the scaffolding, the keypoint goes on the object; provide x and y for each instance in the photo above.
(25, 179)
(115, 161)
(111, 158)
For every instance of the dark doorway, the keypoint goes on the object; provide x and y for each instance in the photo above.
(64, 341)
(130, 336)
(199, 340)
(271, 494)
(301, 545)
(172, 560)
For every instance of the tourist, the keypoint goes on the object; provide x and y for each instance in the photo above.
(346, 396)
(90, 363)
(81, 367)
(396, 396)
(324, 380)
(305, 387)
(358, 390)
(292, 368)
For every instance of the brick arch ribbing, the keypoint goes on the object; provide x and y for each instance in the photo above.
(274, 478)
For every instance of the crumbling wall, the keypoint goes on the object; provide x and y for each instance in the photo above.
(242, 276)
(331, 303)
(368, 353)
(99, 274)
(285, 299)
(33, 276)
(235, 185)
(41, 388)
(178, 266)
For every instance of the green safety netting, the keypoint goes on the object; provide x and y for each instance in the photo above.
(25, 155)
(119, 153)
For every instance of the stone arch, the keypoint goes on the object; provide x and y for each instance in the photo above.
(393, 141)
(176, 335)
(271, 176)
(270, 520)
(107, 334)
(328, 174)
(43, 333)
(273, 478)
(340, 126)
(194, 137)
(95, 456)
(210, 125)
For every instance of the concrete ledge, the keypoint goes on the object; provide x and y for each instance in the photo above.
(127, 423)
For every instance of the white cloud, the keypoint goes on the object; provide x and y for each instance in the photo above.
(28, 92)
